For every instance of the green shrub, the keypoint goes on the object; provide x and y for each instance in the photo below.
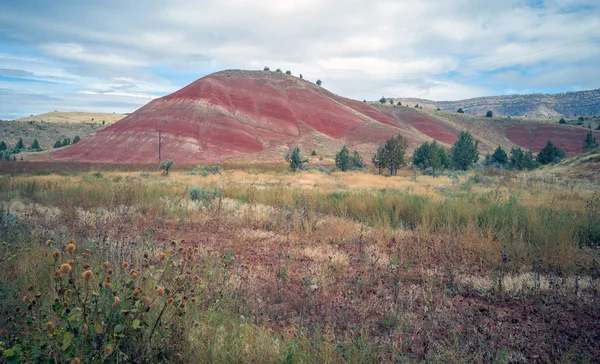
(166, 166)
(481, 179)
(204, 196)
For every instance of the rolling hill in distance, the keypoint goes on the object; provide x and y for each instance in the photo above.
(533, 105)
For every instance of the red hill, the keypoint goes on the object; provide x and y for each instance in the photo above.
(234, 114)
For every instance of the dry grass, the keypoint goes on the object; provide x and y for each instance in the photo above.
(311, 267)
(74, 117)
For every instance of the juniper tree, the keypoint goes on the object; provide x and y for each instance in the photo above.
(464, 151)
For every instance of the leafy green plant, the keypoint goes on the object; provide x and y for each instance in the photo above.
(165, 166)
(103, 311)
(295, 160)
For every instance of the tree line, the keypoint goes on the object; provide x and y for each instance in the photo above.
(8, 154)
(433, 158)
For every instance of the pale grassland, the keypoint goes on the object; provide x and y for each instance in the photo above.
(310, 267)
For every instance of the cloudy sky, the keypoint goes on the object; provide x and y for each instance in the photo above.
(116, 55)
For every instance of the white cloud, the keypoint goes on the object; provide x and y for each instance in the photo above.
(361, 49)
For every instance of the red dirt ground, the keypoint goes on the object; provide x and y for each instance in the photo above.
(535, 136)
(427, 125)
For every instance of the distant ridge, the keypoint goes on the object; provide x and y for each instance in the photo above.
(535, 105)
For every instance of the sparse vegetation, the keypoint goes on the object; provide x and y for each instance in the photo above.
(382, 100)
(165, 166)
(302, 267)
(344, 161)
(296, 160)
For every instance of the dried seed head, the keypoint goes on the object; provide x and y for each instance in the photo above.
(134, 275)
(71, 262)
(76, 361)
(50, 326)
(69, 292)
(25, 299)
(85, 255)
(160, 291)
(108, 350)
(71, 248)
(170, 251)
(55, 255)
(110, 271)
(87, 274)
(162, 256)
(106, 283)
(125, 265)
(57, 274)
(147, 300)
(117, 300)
(48, 242)
(170, 300)
(65, 268)
(106, 265)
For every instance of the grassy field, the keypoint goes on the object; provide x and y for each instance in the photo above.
(257, 264)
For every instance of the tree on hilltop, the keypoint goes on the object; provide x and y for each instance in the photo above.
(319, 82)
(460, 110)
